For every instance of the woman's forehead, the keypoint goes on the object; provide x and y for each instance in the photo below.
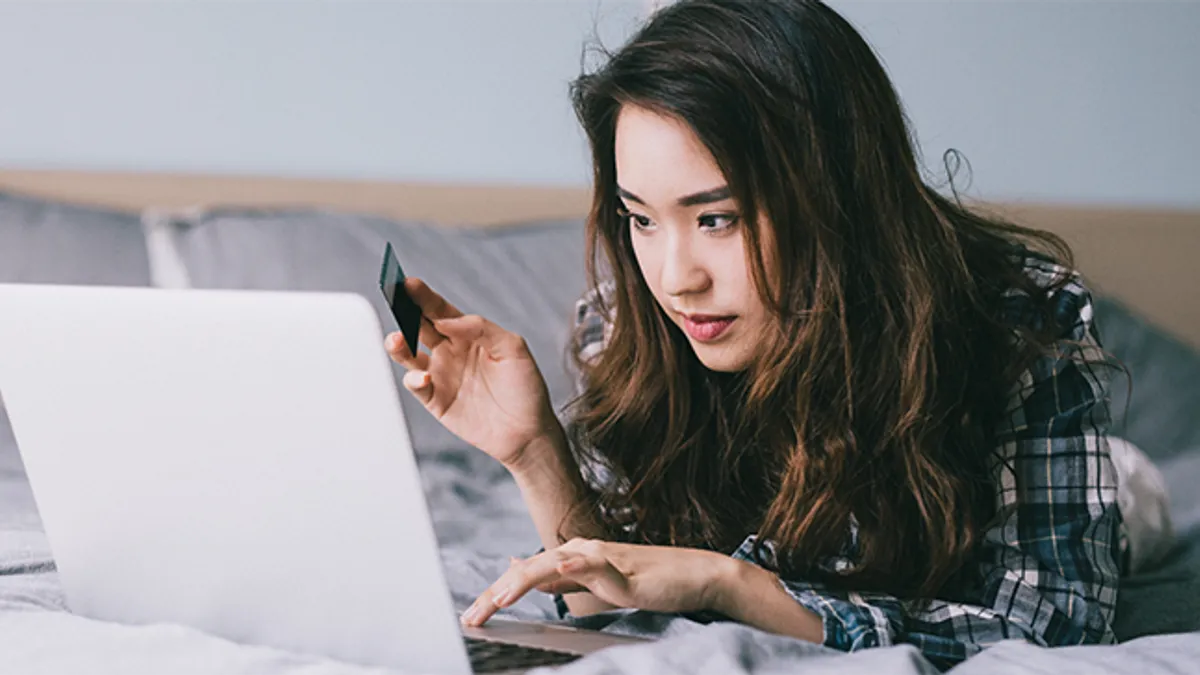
(661, 160)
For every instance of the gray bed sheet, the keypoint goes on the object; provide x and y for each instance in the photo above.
(470, 499)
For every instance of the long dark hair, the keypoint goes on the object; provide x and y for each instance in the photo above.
(890, 365)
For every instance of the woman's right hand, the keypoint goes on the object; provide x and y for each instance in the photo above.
(479, 380)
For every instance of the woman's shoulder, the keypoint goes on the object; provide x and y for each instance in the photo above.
(1053, 291)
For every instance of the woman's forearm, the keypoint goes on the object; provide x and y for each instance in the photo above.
(752, 595)
(551, 485)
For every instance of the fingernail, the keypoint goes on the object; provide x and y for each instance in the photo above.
(421, 379)
(393, 341)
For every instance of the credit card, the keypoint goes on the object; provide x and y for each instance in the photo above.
(406, 312)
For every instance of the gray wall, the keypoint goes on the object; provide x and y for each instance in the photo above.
(1061, 101)
(393, 90)
(1092, 102)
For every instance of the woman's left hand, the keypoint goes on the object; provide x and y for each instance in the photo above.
(657, 578)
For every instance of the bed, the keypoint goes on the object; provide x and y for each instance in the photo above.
(514, 254)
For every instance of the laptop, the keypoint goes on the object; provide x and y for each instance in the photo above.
(238, 462)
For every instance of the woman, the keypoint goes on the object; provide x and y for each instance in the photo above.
(818, 397)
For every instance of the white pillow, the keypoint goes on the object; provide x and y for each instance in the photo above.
(167, 269)
(1145, 506)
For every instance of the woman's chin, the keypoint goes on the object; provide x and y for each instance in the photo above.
(724, 358)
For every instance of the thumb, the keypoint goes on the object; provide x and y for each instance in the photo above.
(420, 384)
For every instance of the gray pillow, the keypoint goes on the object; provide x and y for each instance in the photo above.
(1162, 416)
(525, 278)
(1182, 475)
(54, 243)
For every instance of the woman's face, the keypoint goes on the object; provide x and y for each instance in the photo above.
(687, 236)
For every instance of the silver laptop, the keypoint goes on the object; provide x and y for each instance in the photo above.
(239, 462)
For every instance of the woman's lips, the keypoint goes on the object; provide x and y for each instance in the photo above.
(706, 327)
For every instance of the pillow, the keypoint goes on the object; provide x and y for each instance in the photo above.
(525, 278)
(1162, 414)
(54, 243)
(1182, 476)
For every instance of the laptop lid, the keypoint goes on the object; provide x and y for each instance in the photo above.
(234, 461)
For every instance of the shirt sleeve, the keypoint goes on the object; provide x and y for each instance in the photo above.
(1049, 561)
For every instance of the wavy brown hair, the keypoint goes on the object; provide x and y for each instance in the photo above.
(879, 390)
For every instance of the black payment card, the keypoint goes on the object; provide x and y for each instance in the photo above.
(391, 282)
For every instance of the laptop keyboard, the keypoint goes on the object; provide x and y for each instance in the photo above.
(490, 657)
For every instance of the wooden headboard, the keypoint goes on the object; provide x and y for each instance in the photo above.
(1148, 258)
(432, 202)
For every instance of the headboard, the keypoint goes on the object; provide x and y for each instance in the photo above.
(1148, 258)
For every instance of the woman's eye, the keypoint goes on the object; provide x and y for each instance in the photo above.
(718, 222)
(636, 220)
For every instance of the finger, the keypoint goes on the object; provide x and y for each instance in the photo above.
(500, 344)
(420, 383)
(595, 573)
(512, 586)
(466, 328)
(428, 334)
(522, 578)
(579, 566)
(432, 305)
(397, 348)
(562, 587)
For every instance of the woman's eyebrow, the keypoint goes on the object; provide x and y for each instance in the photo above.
(719, 194)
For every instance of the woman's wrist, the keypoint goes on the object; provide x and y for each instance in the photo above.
(731, 579)
(754, 596)
(545, 459)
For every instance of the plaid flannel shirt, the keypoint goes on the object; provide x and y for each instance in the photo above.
(1049, 565)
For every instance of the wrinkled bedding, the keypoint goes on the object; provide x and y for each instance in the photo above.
(470, 498)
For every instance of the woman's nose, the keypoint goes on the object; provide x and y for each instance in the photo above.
(682, 273)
